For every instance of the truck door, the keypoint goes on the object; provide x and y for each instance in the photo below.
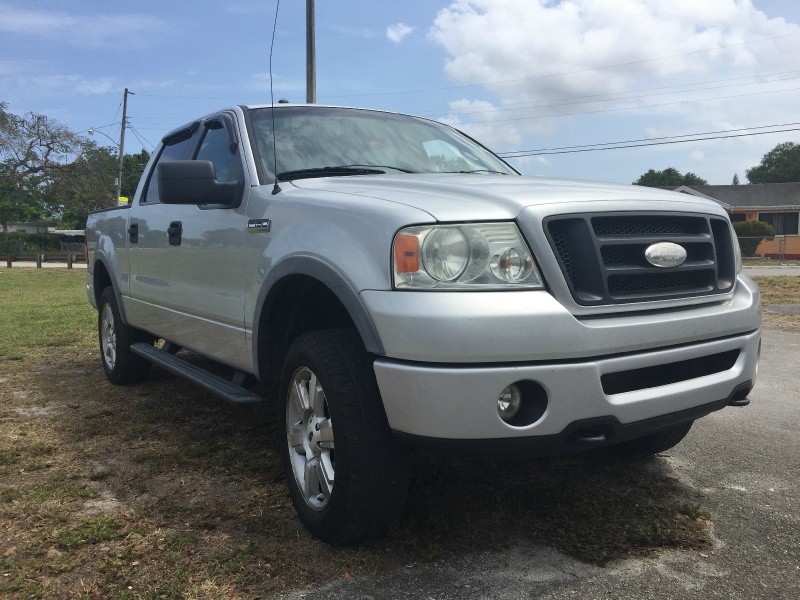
(154, 298)
(207, 256)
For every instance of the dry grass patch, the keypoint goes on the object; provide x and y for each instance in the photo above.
(781, 290)
(158, 491)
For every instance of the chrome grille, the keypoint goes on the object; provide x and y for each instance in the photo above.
(603, 259)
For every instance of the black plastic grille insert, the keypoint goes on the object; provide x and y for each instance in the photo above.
(603, 259)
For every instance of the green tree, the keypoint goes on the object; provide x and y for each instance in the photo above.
(88, 183)
(669, 177)
(779, 165)
(735, 179)
(32, 148)
(132, 168)
(84, 185)
(751, 234)
(16, 205)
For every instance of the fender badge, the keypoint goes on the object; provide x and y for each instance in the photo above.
(665, 255)
(256, 225)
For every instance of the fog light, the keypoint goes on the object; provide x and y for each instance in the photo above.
(509, 402)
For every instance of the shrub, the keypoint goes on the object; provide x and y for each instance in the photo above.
(751, 234)
(22, 242)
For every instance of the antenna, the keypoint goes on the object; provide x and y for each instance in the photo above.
(276, 188)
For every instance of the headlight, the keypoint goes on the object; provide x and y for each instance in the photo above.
(465, 256)
(737, 251)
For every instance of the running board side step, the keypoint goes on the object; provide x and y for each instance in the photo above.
(222, 388)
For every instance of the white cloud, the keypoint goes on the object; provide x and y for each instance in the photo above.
(547, 59)
(123, 30)
(697, 155)
(67, 84)
(398, 32)
(488, 123)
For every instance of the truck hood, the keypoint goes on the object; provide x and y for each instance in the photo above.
(459, 197)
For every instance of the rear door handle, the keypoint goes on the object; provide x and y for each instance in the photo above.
(133, 233)
(175, 230)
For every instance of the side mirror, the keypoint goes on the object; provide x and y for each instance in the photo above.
(194, 182)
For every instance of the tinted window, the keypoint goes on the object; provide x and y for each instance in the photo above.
(179, 150)
(216, 148)
(785, 223)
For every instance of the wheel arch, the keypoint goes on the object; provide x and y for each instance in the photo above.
(301, 294)
(101, 279)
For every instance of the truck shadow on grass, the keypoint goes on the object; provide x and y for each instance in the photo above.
(170, 490)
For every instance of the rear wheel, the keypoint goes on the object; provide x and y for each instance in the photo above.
(347, 477)
(119, 363)
(648, 445)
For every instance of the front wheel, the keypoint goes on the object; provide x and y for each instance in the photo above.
(119, 363)
(347, 477)
(648, 445)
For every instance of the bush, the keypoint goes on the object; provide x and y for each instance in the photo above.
(751, 234)
(21, 242)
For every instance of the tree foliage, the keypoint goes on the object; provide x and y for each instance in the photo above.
(779, 165)
(16, 204)
(47, 171)
(83, 185)
(132, 168)
(669, 177)
(751, 234)
(33, 148)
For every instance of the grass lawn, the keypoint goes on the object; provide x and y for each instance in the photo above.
(158, 491)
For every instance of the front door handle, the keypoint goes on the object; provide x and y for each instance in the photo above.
(175, 230)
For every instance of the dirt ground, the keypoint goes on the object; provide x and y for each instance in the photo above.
(158, 491)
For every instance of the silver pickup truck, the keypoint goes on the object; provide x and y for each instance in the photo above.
(407, 289)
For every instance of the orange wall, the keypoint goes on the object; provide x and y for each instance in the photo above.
(786, 245)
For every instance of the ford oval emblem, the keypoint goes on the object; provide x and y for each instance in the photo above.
(665, 255)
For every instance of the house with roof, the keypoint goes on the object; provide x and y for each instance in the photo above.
(775, 203)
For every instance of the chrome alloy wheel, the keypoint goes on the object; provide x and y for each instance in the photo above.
(108, 337)
(309, 433)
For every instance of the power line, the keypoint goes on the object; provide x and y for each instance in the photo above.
(600, 97)
(652, 139)
(635, 107)
(642, 145)
(138, 134)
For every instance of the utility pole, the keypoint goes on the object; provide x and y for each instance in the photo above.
(311, 54)
(122, 141)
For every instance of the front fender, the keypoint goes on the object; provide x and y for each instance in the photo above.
(335, 280)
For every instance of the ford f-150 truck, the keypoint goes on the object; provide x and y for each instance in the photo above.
(405, 289)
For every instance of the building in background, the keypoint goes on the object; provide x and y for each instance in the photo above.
(775, 203)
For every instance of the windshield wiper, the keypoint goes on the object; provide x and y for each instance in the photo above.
(327, 172)
(401, 169)
(477, 171)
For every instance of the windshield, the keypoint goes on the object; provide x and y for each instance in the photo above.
(323, 141)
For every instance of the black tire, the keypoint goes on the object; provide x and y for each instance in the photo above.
(121, 366)
(652, 444)
(372, 472)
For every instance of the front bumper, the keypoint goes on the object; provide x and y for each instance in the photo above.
(460, 402)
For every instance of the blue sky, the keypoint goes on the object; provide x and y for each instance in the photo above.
(516, 74)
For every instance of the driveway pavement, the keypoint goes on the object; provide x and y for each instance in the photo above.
(771, 271)
(745, 466)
